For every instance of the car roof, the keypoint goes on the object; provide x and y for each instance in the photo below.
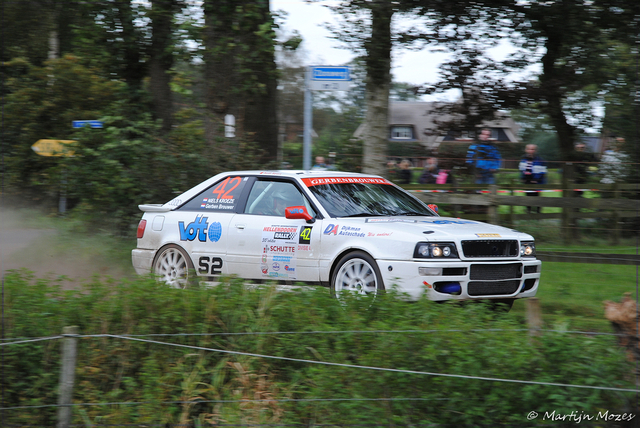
(295, 174)
(300, 173)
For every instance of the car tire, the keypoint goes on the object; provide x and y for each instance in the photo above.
(356, 272)
(173, 266)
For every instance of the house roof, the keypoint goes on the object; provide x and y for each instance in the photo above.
(422, 116)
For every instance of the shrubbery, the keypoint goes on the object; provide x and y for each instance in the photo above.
(162, 383)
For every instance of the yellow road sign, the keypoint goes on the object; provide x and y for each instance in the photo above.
(53, 147)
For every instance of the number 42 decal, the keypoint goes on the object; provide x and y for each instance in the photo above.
(221, 189)
(305, 235)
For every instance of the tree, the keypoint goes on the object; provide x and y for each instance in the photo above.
(568, 38)
(240, 70)
(161, 58)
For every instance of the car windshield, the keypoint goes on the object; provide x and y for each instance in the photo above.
(367, 199)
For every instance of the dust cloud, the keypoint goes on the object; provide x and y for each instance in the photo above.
(28, 241)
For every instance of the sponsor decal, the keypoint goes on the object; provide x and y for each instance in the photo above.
(199, 229)
(209, 265)
(381, 234)
(331, 229)
(389, 220)
(283, 235)
(488, 235)
(215, 231)
(195, 229)
(289, 229)
(343, 180)
(449, 222)
(351, 231)
(305, 235)
(279, 246)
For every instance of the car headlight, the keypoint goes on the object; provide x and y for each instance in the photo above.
(527, 249)
(435, 250)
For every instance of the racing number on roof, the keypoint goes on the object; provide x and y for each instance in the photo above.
(221, 189)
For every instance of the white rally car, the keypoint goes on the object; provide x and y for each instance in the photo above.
(349, 231)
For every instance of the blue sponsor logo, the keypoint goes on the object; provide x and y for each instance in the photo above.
(215, 231)
(275, 266)
(199, 229)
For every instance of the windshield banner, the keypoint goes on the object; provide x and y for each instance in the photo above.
(343, 180)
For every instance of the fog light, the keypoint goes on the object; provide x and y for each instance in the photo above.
(448, 287)
(429, 271)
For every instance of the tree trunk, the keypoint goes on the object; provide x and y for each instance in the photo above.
(220, 65)
(260, 113)
(378, 82)
(553, 92)
(161, 60)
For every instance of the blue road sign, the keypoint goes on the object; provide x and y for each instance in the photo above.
(91, 123)
(330, 73)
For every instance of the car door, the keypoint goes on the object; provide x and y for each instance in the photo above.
(203, 224)
(265, 244)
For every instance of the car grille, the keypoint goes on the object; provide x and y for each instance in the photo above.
(495, 272)
(486, 288)
(490, 248)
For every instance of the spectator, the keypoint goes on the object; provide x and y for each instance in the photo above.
(582, 161)
(533, 170)
(320, 165)
(430, 172)
(485, 159)
(404, 173)
(614, 163)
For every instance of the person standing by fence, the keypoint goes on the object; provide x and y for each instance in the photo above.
(533, 170)
(485, 158)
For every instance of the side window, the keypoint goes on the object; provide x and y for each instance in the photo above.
(221, 197)
(272, 197)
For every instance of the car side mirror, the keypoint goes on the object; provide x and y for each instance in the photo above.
(434, 207)
(296, 213)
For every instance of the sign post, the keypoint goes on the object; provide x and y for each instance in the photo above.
(56, 148)
(326, 78)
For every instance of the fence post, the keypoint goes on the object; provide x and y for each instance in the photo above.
(616, 217)
(534, 315)
(567, 192)
(67, 375)
(512, 219)
(493, 207)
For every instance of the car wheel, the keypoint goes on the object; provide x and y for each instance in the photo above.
(172, 265)
(357, 272)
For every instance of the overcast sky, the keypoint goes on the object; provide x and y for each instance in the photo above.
(411, 67)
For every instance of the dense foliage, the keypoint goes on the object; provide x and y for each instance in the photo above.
(193, 355)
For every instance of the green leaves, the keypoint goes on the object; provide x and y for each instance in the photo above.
(168, 384)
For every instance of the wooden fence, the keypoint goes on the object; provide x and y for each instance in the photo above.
(481, 202)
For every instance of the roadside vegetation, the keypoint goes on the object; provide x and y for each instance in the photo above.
(234, 354)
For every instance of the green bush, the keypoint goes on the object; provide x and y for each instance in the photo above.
(169, 384)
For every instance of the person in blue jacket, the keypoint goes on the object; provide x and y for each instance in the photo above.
(485, 158)
(533, 170)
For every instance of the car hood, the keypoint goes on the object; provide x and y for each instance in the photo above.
(434, 227)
